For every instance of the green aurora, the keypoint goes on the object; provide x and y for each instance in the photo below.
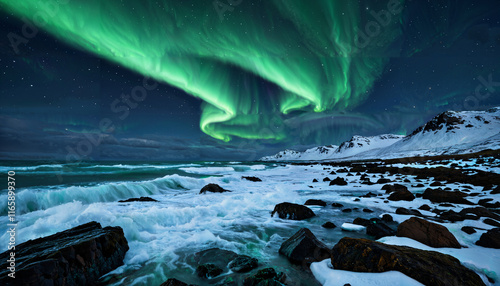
(222, 54)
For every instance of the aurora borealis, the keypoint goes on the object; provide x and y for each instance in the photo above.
(285, 71)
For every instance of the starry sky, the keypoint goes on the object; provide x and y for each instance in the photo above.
(234, 80)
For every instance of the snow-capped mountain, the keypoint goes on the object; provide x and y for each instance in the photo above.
(450, 132)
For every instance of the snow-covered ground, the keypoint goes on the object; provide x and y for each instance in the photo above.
(447, 133)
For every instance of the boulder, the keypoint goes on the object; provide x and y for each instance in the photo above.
(243, 263)
(292, 211)
(480, 212)
(490, 239)
(326, 179)
(315, 180)
(468, 229)
(425, 208)
(389, 188)
(338, 181)
(428, 233)
(329, 224)
(77, 256)
(213, 188)
(304, 247)
(441, 196)
(383, 181)
(367, 210)
(174, 282)
(387, 218)
(404, 211)
(265, 277)
(208, 270)
(427, 267)
(452, 216)
(379, 230)
(491, 222)
(252, 178)
(337, 205)
(313, 202)
(141, 199)
(402, 195)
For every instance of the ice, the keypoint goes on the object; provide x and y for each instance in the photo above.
(352, 227)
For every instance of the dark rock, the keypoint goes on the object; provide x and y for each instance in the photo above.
(347, 210)
(252, 178)
(326, 179)
(338, 181)
(419, 186)
(315, 180)
(337, 205)
(213, 188)
(77, 256)
(490, 239)
(491, 222)
(304, 247)
(428, 233)
(367, 210)
(174, 282)
(361, 221)
(427, 267)
(404, 211)
(486, 203)
(481, 212)
(383, 181)
(265, 277)
(141, 199)
(379, 230)
(441, 196)
(342, 170)
(387, 218)
(389, 188)
(452, 216)
(468, 229)
(357, 200)
(368, 195)
(292, 211)
(446, 205)
(436, 184)
(208, 270)
(402, 195)
(425, 208)
(329, 225)
(333, 173)
(495, 191)
(313, 202)
(243, 263)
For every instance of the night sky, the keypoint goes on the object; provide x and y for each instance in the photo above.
(206, 80)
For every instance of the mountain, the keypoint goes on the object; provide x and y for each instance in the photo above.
(450, 132)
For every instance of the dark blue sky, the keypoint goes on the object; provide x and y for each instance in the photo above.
(55, 96)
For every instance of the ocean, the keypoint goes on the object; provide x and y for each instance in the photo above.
(163, 236)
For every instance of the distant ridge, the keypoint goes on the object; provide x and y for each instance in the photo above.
(450, 132)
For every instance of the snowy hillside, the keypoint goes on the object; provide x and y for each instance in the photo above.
(448, 133)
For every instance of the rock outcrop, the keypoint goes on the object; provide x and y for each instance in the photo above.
(427, 267)
(77, 256)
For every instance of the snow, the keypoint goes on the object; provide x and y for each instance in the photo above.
(327, 276)
(477, 131)
(352, 227)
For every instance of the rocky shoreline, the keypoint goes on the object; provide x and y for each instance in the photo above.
(82, 255)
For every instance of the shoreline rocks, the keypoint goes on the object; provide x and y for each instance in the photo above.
(292, 211)
(304, 247)
(213, 188)
(77, 256)
(428, 233)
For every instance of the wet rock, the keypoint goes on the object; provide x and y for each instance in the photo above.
(361, 221)
(304, 247)
(338, 181)
(329, 225)
(77, 256)
(337, 205)
(326, 179)
(452, 216)
(218, 257)
(174, 282)
(333, 173)
(383, 181)
(404, 211)
(389, 188)
(402, 195)
(427, 267)
(141, 199)
(265, 277)
(292, 211)
(495, 191)
(490, 239)
(243, 263)
(379, 230)
(367, 211)
(208, 270)
(436, 184)
(387, 218)
(213, 188)
(418, 186)
(357, 200)
(252, 178)
(315, 180)
(468, 229)
(441, 196)
(446, 205)
(368, 195)
(347, 210)
(428, 233)
(313, 202)
(481, 212)
(425, 208)
(487, 203)
(491, 222)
